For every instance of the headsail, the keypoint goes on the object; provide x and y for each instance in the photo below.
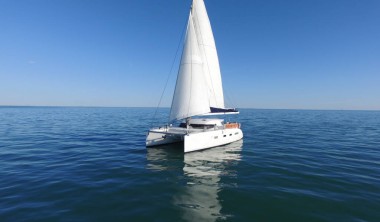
(189, 96)
(209, 54)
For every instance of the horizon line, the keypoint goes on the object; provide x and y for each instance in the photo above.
(167, 107)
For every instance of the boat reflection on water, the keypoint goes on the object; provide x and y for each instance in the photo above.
(165, 157)
(212, 162)
(198, 199)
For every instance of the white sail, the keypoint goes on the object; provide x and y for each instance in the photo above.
(198, 92)
(209, 54)
(189, 96)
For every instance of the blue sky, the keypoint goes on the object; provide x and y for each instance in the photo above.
(304, 54)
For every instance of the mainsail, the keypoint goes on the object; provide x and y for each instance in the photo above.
(189, 96)
(199, 88)
(209, 54)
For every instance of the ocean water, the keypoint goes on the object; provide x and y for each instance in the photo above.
(91, 164)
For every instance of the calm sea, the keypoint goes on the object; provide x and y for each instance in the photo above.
(91, 164)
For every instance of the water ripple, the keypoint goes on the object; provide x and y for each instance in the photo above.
(76, 164)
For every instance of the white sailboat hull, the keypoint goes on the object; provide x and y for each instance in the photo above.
(204, 140)
(193, 140)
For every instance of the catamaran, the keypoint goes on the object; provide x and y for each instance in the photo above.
(198, 93)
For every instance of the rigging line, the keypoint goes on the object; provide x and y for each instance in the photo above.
(180, 65)
(191, 59)
(169, 75)
(230, 101)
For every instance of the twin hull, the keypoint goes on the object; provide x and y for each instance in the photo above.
(195, 140)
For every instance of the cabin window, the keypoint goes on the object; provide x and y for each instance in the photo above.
(215, 137)
(201, 126)
(236, 133)
(231, 134)
(224, 135)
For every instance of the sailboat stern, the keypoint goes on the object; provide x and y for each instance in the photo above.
(161, 136)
